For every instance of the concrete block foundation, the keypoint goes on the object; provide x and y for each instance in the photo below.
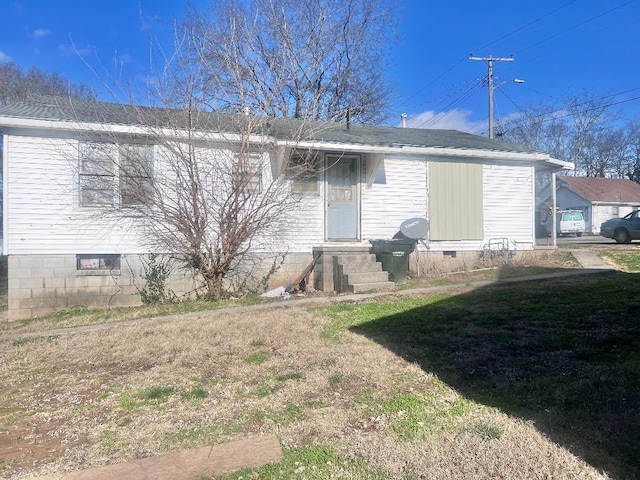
(44, 284)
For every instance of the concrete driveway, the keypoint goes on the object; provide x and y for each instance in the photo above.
(573, 240)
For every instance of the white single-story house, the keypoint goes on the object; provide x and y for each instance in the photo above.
(472, 190)
(599, 198)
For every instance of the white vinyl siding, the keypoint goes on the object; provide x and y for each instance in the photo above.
(304, 227)
(43, 215)
(509, 199)
(42, 203)
(398, 192)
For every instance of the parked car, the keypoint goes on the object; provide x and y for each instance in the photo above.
(624, 229)
(568, 222)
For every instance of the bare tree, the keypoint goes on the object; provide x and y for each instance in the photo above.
(207, 188)
(582, 130)
(198, 177)
(212, 204)
(631, 167)
(17, 85)
(320, 60)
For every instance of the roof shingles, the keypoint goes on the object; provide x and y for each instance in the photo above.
(68, 110)
(596, 189)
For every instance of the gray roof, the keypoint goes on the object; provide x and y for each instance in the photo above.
(75, 111)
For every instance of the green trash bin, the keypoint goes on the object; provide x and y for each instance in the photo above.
(394, 255)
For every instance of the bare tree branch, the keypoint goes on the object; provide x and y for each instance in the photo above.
(582, 130)
(308, 60)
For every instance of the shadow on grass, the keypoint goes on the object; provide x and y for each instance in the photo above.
(564, 353)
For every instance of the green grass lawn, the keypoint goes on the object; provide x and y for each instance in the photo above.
(564, 354)
(628, 260)
(541, 374)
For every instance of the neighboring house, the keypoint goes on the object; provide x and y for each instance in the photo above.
(599, 198)
(472, 190)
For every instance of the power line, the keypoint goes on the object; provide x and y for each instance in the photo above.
(584, 103)
(490, 61)
(447, 109)
(527, 25)
(552, 114)
(462, 60)
(466, 95)
(573, 27)
(459, 87)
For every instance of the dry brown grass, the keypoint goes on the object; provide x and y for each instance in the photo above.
(75, 401)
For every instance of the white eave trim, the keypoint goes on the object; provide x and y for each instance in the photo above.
(171, 133)
(561, 164)
(449, 152)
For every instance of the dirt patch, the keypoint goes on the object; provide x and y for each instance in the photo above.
(33, 443)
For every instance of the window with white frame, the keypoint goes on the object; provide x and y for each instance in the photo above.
(114, 175)
(247, 173)
(304, 170)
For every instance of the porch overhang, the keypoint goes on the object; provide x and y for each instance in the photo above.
(542, 161)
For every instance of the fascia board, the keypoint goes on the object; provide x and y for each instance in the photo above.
(439, 152)
(170, 133)
(179, 134)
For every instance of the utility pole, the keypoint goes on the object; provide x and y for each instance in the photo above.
(490, 61)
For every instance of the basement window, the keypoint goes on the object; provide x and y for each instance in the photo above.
(98, 263)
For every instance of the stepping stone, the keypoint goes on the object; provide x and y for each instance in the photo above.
(187, 464)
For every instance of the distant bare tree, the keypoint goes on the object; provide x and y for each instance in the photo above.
(17, 85)
(582, 130)
(319, 60)
(632, 168)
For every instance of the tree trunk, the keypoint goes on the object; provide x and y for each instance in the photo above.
(214, 285)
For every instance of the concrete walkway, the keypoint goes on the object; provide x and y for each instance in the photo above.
(187, 464)
(590, 260)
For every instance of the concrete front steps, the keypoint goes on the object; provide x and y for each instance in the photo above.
(359, 273)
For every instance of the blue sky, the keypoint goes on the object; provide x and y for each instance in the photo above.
(560, 47)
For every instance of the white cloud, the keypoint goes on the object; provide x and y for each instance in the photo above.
(4, 58)
(124, 59)
(41, 33)
(452, 120)
(73, 50)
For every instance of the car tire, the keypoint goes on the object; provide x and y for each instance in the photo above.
(579, 234)
(622, 236)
